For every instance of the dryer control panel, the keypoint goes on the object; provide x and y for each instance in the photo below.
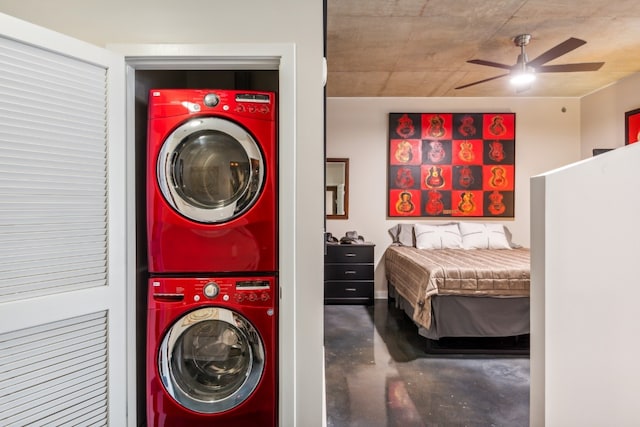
(175, 102)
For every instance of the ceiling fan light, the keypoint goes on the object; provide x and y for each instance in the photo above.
(522, 79)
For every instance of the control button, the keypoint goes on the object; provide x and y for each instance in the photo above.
(211, 100)
(211, 290)
(196, 298)
(191, 106)
(253, 296)
(264, 296)
(239, 297)
(225, 297)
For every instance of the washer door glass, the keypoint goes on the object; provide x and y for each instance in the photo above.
(210, 170)
(211, 360)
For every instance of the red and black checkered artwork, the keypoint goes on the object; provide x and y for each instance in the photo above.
(451, 164)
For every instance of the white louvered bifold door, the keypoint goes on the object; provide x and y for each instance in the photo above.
(62, 242)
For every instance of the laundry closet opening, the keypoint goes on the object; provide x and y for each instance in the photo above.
(145, 80)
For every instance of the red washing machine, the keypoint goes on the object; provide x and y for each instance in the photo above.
(211, 181)
(211, 352)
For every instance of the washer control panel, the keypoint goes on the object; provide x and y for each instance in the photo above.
(259, 291)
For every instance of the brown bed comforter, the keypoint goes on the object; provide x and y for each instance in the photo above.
(420, 274)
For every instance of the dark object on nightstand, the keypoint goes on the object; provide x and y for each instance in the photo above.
(597, 151)
(349, 274)
(352, 238)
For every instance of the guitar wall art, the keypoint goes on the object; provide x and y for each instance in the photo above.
(451, 165)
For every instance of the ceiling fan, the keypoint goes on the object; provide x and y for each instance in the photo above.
(525, 70)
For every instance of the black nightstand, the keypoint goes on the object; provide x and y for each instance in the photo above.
(349, 274)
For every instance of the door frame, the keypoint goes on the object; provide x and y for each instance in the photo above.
(280, 56)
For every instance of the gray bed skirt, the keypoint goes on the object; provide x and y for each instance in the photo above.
(468, 316)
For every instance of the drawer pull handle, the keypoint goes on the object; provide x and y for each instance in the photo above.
(350, 289)
(350, 272)
(350, 254)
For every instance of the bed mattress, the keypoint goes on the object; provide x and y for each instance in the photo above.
(419, 275)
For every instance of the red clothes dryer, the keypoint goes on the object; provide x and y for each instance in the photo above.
(211, 181)
(211, 352)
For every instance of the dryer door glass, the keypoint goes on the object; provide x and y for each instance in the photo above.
(211, 360)
(210, 170)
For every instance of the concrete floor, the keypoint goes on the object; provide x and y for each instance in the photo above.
(378, 374)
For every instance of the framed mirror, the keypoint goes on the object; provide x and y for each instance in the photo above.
(337, 194)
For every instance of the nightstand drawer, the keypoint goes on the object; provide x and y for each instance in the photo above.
(348, 272)
(349, 253)
(348, 291)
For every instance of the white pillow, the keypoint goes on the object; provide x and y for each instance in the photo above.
(446, 236)
(483, 236)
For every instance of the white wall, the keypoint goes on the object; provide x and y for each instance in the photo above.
(248, 21)
(602, 119)
(546, 138)
(584, 278)
(585, 293)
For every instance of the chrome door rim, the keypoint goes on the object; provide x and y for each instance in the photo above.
(166, 181)
(166, 356)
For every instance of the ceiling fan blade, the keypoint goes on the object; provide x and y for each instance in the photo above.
(490, 64)
(482, 81)
(562, 68)
(559, 50)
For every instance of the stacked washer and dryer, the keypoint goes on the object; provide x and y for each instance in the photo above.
(212, 228)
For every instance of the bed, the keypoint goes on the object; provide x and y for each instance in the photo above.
(460, 279)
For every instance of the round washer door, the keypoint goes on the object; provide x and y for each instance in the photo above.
(211, 360)
(210, 170)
